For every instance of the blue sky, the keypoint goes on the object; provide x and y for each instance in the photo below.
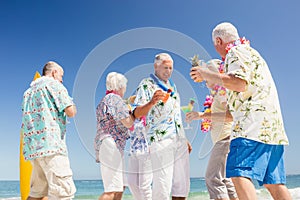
(33, 32)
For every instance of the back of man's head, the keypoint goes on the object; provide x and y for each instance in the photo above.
(49, 67)
(226, 31)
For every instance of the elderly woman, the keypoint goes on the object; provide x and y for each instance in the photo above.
(113, 121)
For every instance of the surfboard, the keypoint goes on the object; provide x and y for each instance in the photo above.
(25, 166)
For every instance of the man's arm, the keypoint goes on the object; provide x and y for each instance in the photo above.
(71, 111)
(143, 110)
(228, 81)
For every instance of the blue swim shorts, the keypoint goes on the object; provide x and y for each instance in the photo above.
(257, 161)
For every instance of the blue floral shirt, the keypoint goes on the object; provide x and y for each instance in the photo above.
(163, 119)
(138, 142)
(44, 119)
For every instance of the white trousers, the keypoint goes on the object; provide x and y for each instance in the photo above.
(171, 168)
(140, 176)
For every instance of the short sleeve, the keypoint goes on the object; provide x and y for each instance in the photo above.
(143, 93)
(238, 62)
(117, 108)
(60, 95)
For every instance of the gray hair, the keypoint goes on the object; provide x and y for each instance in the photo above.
(160, 58)
(49, 67)
(226, 31)
(115, 81)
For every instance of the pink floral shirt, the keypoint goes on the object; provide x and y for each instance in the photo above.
(109, 113)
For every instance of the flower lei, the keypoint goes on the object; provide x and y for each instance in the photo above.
(237, 42)
(206, 123)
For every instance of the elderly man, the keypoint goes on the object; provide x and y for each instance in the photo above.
(46, 105)
(258, 136)
(159, 101)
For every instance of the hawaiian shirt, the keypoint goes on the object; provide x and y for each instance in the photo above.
(219, 129)
(44, 119)
(138, 142)
(163, 119)
(256, 111)
(110, 111)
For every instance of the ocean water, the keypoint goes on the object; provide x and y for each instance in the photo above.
(91, 189)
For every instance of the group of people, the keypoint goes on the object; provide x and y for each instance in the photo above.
(247, 130)
(159, 152)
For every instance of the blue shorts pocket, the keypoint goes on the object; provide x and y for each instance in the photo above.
(241, 155)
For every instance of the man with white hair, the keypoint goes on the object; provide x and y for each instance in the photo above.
(258, 136)
(45, 106)
(158, 99)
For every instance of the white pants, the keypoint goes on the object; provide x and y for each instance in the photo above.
(112, 166)
(140, 176)
(171, 168)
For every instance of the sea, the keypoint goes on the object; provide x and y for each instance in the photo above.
(91, 189)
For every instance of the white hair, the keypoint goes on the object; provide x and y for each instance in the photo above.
(159, 58)
(226, 31)
(213, 65)
(115, 81)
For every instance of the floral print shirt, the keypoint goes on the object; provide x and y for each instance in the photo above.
(219, 129)
(138, 142)
(44, 119)
(163, 119)
(109, 113)
(256, 111)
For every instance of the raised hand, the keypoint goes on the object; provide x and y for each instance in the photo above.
(158, 95)
(196, 74)
(190, 116)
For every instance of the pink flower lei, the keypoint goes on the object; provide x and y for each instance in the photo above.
(206, 123)
(237, 42)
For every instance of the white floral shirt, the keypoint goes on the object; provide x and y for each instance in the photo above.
(256, 112)
(163, 120)
(138, 142)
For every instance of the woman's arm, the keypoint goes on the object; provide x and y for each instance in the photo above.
(128, 121)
